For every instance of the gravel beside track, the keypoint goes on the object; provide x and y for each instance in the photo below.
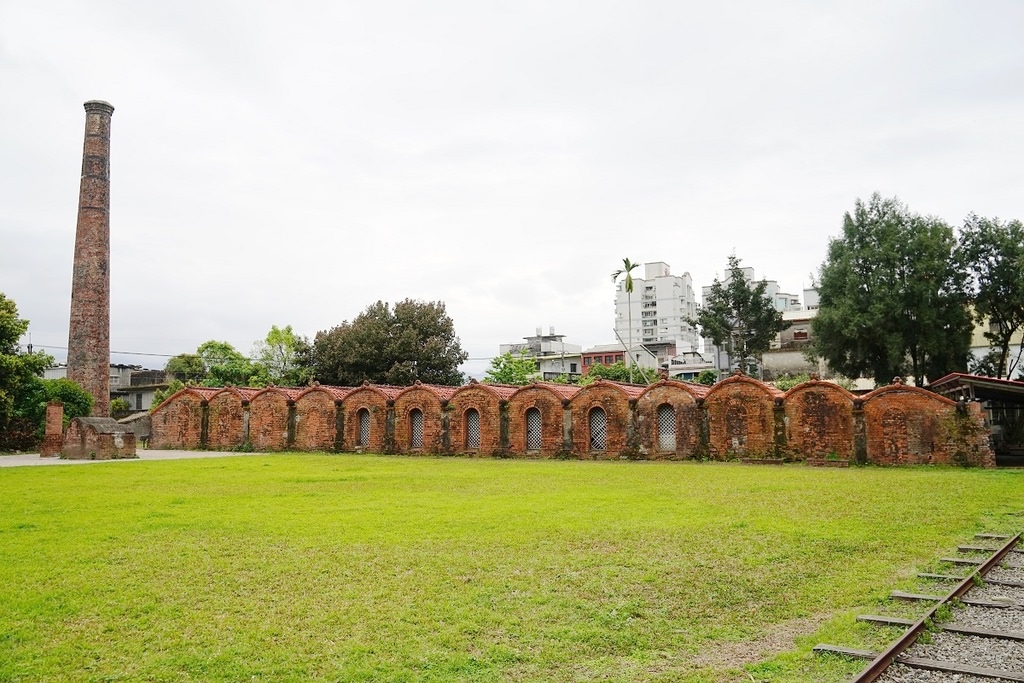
(897, 673)
(998, 619)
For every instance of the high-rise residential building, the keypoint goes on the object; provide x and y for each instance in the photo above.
(658, 309)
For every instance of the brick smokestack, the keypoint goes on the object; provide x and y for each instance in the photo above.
(89, 336)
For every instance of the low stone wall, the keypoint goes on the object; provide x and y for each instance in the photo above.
(739, 417)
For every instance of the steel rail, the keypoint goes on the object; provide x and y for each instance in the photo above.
(882, 662)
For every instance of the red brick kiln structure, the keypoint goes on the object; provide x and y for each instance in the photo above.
(739, 417)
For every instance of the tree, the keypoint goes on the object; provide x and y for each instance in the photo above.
(216, 364)
(18, 371)
(739, 317)
(282, 355)
(618, 372)
(707, 377)
(516, 370)
(226, 365)
(991, 252)
(187, 367)
(627, 269)
(892, 301)
(162, 395)
(415, 340)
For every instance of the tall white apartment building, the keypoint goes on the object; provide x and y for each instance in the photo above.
(658, 308)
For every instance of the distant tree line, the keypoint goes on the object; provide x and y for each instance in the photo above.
(23, 392)
(900, 294)
(412, 340)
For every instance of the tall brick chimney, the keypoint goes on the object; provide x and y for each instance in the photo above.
(89, 336)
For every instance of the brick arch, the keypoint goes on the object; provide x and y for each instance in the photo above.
(819, 420)
(905, 426)
(740, 413)
(427, 399)
(178, 421)
(268, 418)
(316, 418)
(547, 399)
(613, 398)
(682, 398)
(375, 400)
(226, 418)
(486, 400)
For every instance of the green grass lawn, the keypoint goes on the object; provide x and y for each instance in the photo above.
(371, 568)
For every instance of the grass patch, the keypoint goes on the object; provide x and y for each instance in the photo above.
(369, 568)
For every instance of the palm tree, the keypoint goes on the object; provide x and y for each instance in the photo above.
(627, 270)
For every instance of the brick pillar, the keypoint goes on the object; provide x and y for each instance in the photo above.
(389, 428)
(566, 427)
(780, 447)
(53, 438)
(339, 426)
(89, 336)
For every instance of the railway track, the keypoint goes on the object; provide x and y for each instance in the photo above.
(973, 627)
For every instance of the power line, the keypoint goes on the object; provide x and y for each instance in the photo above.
(172, 355)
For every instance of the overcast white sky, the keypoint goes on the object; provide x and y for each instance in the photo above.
(292, 163)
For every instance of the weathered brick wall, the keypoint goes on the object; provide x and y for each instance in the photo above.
(268, 421)
(376, 403)
(98, 438)
(910, 426)
(819, 420)
(741, 419)
(315, 421)
(226, 428)
(739, 416)
(178, 422)
(687, 421)
(427, 402)
(487, 404)
(550, 406)
(615, 404)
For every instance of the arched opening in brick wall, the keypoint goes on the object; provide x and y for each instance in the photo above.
(363, 416)
(534, 430)
(471, 420)
(597, 423)
(666, 428)
(416, 429)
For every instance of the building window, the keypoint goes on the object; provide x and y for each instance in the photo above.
(533, 430)
(472, 429)
(598, 423)
(586, 360)
(364, 427)
(572, 367)
(608, 360)
(666, 428)
(415, 428)
(138, 401)
(618, 357)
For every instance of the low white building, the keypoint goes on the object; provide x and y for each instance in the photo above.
(554, 357)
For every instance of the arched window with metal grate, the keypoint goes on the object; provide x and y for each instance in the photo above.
(472, 429)
(364, 427)
(533, 430)
(666, 427)
(598, 423)
(415, 428)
